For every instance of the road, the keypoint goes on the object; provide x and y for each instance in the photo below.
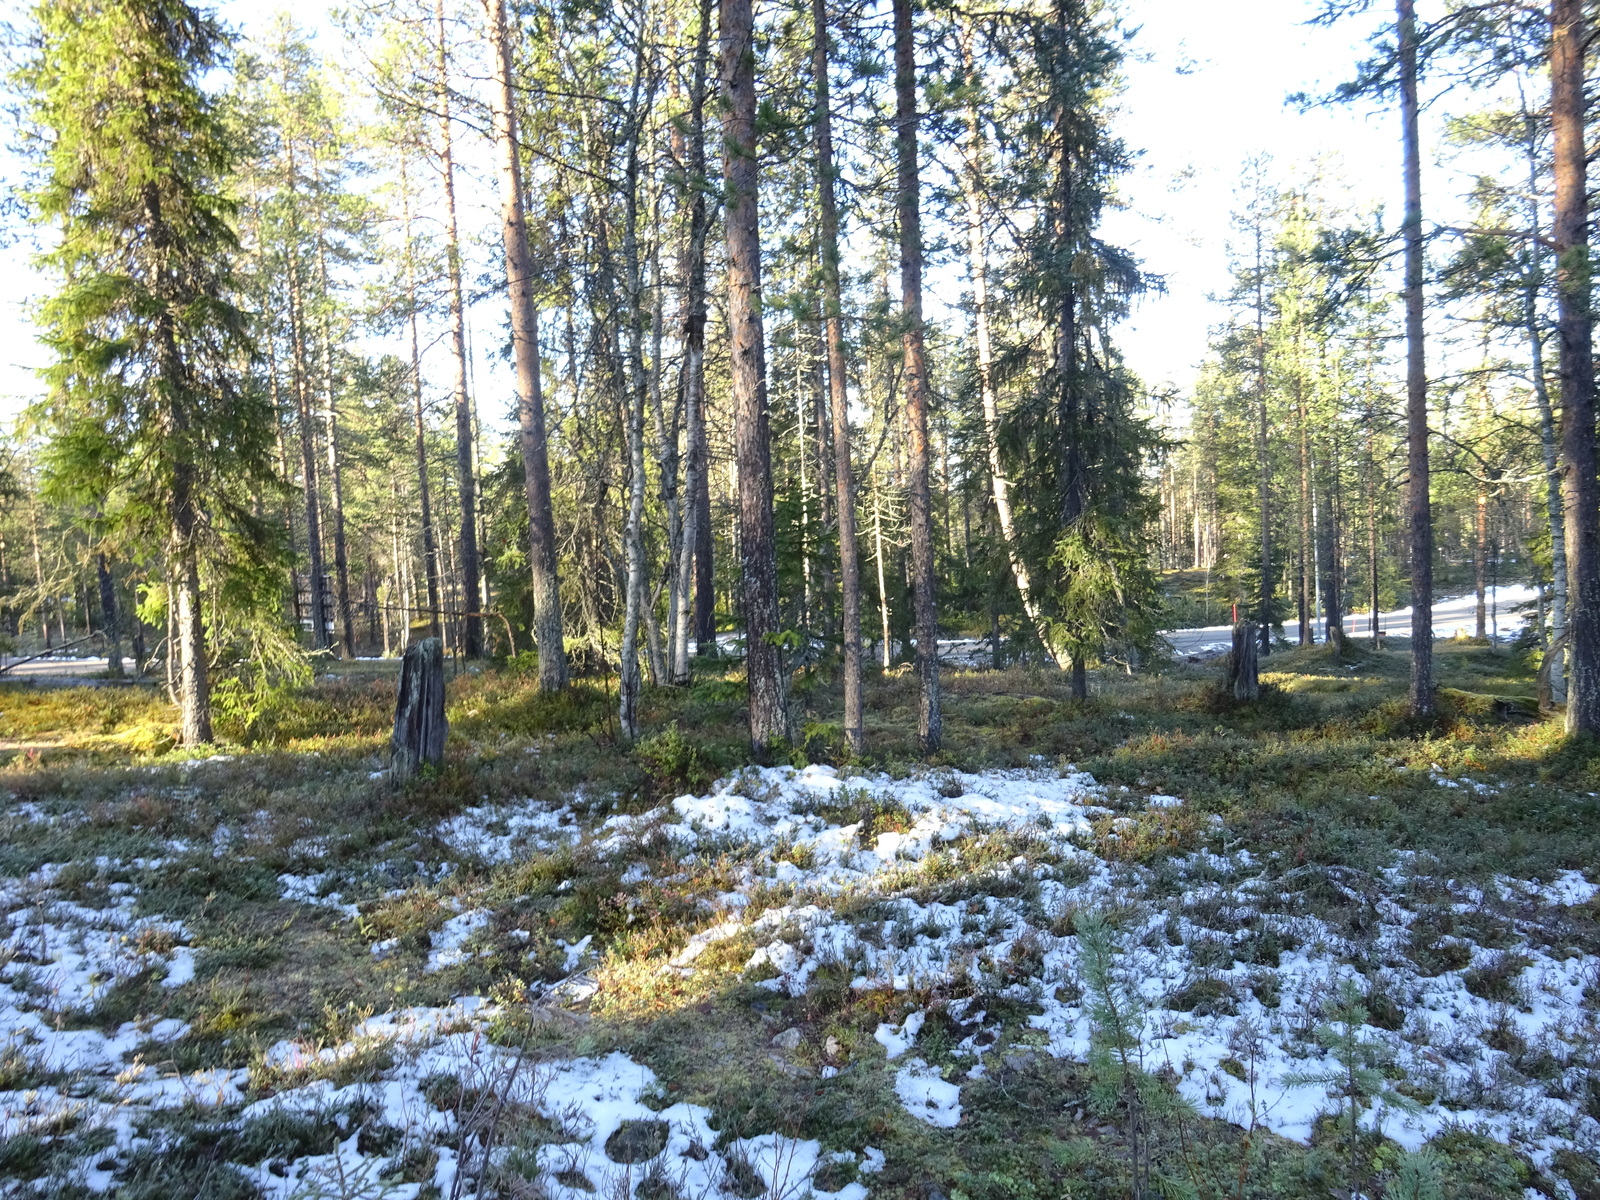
(1450, 617)
(59, 668)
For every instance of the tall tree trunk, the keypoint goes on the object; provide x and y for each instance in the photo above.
(430, 550)
(341, 561)
(769, 706)
(918, 392)
(294, 611)
(1419, 515)
(697, 494)
(1480, 562)
(1372, 537)
(978, 266)
(666, 430)
(38, 562)
(110, 626)
(887, 646)
(471, 636)
(308, 459)
(1263, 463)
(1332, 551)
(1580, 488)
(548, 631)
(705, 578)
(183, 555)
(1547, 424)
(628, 682)
(838, 385)
(1307, 562)
(705, 586)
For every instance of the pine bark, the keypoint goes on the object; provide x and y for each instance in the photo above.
(918, 392)
(548, 631)
(183, 555)
(769, 709)
(838, 395)
(430, 550)
(628, 681)
(1263, 462)
(1307, 559)
(308, 457)
(696, 520)
(1418, 515)
(1575, 321)
(471, 635)
(1480, 563)
(341, 560)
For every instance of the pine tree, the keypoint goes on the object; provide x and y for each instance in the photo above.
(764, 669)
(919, 502)
(549, 632)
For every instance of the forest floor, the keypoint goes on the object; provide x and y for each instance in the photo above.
(1152, 941)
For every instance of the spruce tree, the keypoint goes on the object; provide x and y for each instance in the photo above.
(146, 415)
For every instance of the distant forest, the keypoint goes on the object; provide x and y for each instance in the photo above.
(812, 331)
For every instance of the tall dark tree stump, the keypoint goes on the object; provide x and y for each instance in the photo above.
(419, 724)
(1244, 678)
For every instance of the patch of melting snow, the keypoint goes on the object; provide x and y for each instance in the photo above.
(449, 942)
(897, 1039)
(762, 808)
(1445, 1046)
(927, 1096)
(312, 889)
(498, 833)
(592, 1105)
(65, 953)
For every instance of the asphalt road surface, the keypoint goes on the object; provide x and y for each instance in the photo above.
(56, 668)
(1450, 617)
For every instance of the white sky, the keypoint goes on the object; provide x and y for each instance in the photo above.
(1205, 93)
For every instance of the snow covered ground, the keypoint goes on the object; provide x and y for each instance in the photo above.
(1232, 970)
(957, 890)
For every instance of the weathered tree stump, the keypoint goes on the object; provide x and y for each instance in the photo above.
(1244, 677)
(419, 724)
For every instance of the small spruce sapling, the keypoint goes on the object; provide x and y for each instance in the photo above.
(1418, 1178)
(1360, 1078)
(1116, 1061)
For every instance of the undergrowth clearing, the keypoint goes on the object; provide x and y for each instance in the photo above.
(1150, 942)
